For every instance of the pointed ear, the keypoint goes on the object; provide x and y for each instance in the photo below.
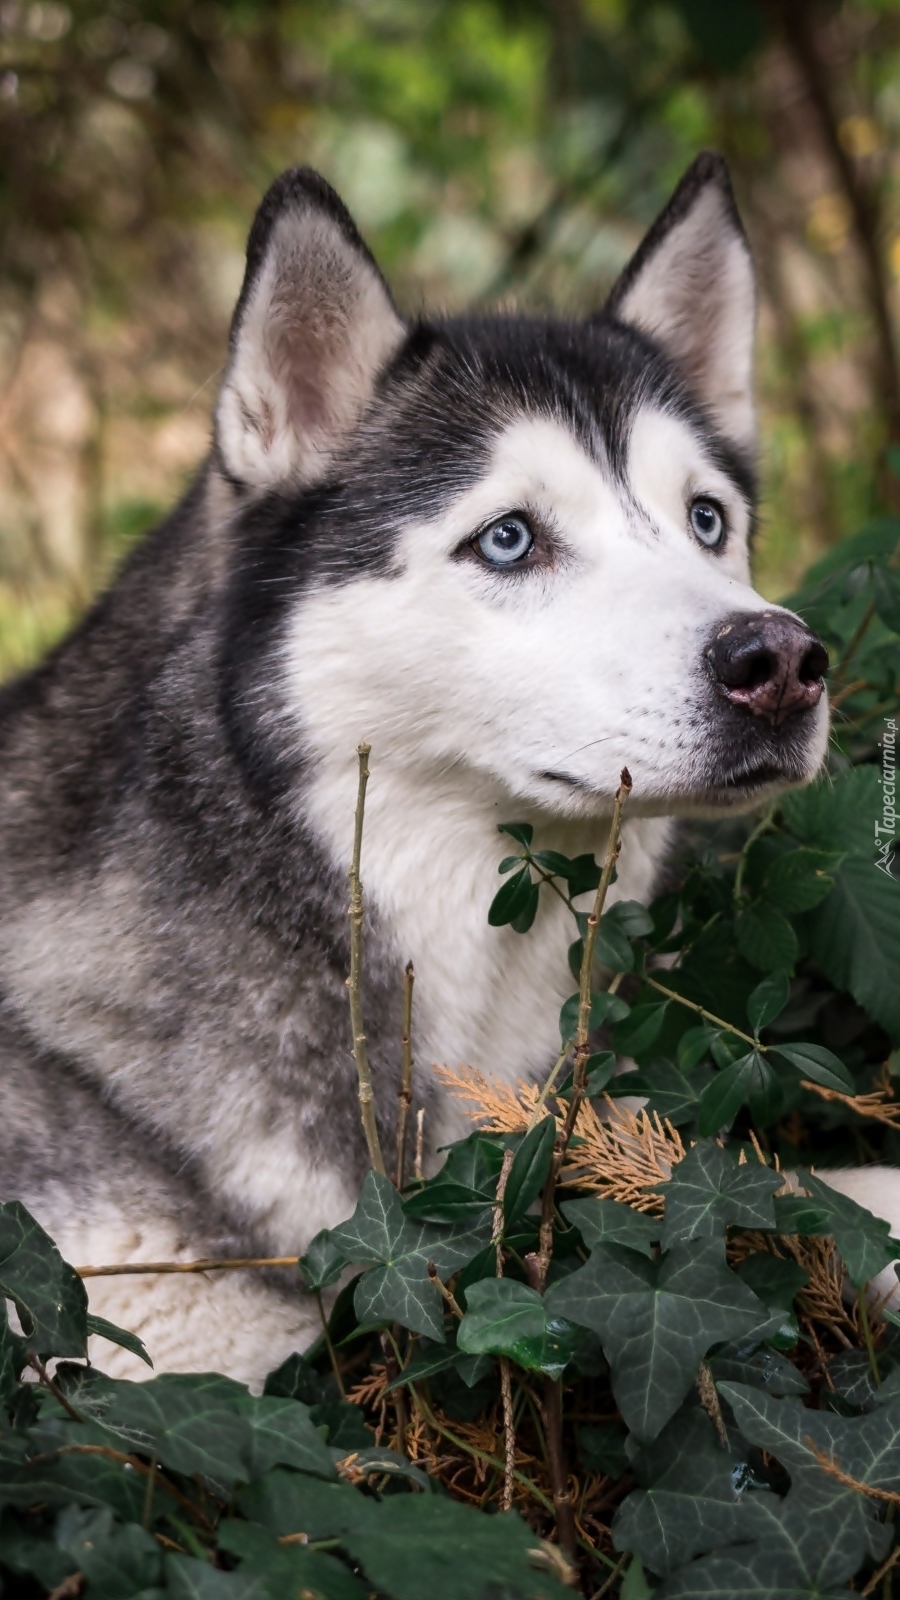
(691, 286)
(313, 328)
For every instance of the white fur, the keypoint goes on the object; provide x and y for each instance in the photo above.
(226, 1321)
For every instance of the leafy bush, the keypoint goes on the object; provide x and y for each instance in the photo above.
(618, 1322)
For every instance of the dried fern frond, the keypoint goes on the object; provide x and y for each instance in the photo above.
(623, 1156)
(879, 1106)
(499, 1107)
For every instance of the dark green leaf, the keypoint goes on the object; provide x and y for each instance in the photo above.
(190, 1579)
(641, 1029)
(612, 947)
(524, 919)
(708, 1192)
(511, 899)
(656, 1320)
(125, 1562)
(671, 1091)
(612, 1222)
(459, 1551)
(801, 879)
(604, 1008)
(522, 832)
(505, 1318)
(398, 1288)
(633, 918)
(530, 1168)
(99, 1328)
(766, 939)
(323, 1263)
(287, 1572)
(854, 936)
(48, 1295)
(728, 1091)
(692, 1497)
(864, 1241)
(815, 1062)
(768, 1000)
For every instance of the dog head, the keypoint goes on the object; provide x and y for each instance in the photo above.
(513, 545)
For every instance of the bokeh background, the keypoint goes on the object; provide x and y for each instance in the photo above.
(493, 151)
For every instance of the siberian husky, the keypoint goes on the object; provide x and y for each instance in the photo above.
(512, 554)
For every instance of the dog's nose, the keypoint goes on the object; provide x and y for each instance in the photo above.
(771, 663)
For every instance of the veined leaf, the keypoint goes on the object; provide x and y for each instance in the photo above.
(48, 1294)
(709, 1191)
(505, 1318)
(656, 1320)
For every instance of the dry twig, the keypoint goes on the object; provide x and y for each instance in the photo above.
(360, 1052)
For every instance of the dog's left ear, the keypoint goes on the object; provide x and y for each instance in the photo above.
(313, 328)
(691, 286)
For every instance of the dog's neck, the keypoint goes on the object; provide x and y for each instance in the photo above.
(485, 996)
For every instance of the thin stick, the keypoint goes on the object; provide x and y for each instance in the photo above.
(404, 1094)
(420, 1142)
(509, 1423)
(360, 1053)
(708, 1016)
(447, 1295)
(44, 1378)
(563, 1500)
(212, 1264)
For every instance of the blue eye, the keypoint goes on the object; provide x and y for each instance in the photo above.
(707, 523)
(506, 541)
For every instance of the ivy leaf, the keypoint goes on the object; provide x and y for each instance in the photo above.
(815, 1062)
(531, 1165)
(459, 1551)
(188, 1578)
(612, 1222)
(864, 1242)
(656, 1320)
(48, 1294)
(127, 1561)
(708, 1191)
(505, 1318)
(99, 1328)
(763, 1368)
(765, 938)
(768, 1000)
(693, 1496)
(866, 1449)
(323, 1262)
(397, 1288)
(286, 1570)
(203, 1423)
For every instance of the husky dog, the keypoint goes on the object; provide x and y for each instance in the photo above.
(510, 553)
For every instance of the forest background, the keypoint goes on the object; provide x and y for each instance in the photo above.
(492, 151)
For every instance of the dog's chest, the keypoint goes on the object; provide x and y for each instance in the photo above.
(484, 996)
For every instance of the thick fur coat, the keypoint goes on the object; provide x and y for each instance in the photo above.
(177, 780)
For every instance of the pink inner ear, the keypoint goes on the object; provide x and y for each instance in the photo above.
(307, 337)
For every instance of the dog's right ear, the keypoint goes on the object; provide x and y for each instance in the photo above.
(313, 328)
(691, 286)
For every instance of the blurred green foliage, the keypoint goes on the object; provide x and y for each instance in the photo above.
(493, 151)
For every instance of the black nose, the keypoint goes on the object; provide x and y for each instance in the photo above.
(770, 663)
